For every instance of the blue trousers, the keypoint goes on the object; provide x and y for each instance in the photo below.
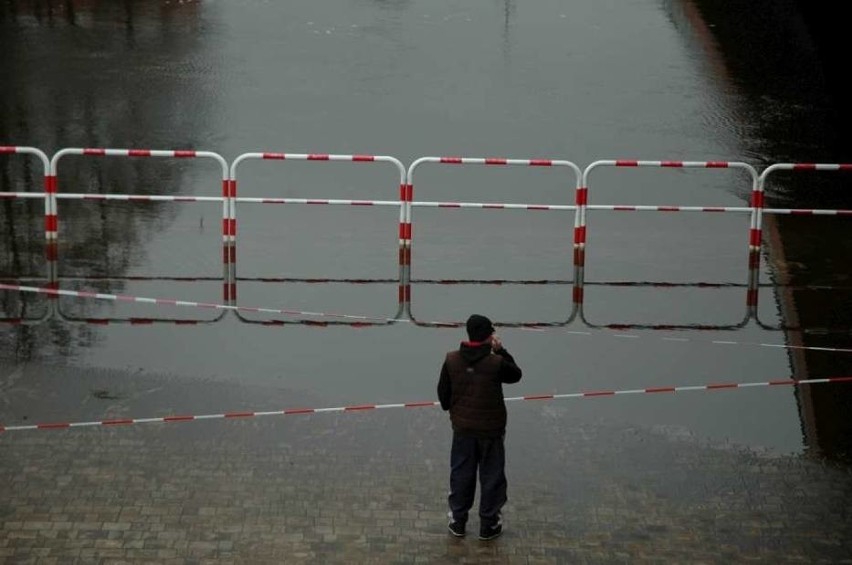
(468, 455)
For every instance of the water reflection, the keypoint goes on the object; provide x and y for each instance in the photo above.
(775, 52)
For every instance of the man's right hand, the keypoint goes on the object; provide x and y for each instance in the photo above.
(496, 344)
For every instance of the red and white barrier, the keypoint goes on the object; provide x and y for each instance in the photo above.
(760, 210)
(756, 191)
(316, 157)
(579, 198)
(244, 414)
(142, 153)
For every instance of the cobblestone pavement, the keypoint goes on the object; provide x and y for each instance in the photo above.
(370, 488)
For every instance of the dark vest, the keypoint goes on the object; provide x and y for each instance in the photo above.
(477, 406)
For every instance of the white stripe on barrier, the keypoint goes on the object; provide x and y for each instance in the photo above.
(425, 404)
(139, 197)
(326, 201)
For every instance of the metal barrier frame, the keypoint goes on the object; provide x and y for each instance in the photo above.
(406, 205)
(406, 235)
(140, 153)
(754, 230)
(314, 157)
(49, 226)
(760, 210)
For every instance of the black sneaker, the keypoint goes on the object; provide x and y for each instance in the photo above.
(486, 533)
(457, 529)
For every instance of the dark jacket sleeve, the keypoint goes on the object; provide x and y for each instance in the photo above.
(445, 391)
(509, 371)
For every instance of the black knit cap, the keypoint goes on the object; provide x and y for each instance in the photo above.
(479, 328)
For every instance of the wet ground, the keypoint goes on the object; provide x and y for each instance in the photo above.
(721, 476)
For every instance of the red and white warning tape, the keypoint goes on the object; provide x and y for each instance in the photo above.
(185, 303)
(426, 404)
(364, 321)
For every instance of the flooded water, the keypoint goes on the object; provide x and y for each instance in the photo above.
(648, 79)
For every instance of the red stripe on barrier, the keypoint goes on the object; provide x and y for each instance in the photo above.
(239, 414)
(582, 196)
(578, 295)
(804, 167)
(7, 149)
(449, 205)
(671, 164)
(276, 156)
(580, 234)
(782, 382)
(183, 153)
(50, 223)
(494, 206)
(97, 321)
(600, 393)
(757, 199)
(317, 157)
(299, 411)
(118, 422)
(712, 209)
(722, 385)
(668, 208)
(541, 163)
(845, 166)
(537, 207)
(495, 161)
(167, 301)
(624, 208)
(93, 151)
(141, 321)
(363, 158)
(754, 237)
(451, 160)
(661, 389)
(178, 418)
(359, 408)
(139, 153)
(539, 397)
(50, 184)
(418, 404)
(55, 426)
(626, 163)
(716, 164)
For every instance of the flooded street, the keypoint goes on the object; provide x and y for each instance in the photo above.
(665, 296)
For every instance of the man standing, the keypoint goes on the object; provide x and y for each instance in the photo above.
(471, 388)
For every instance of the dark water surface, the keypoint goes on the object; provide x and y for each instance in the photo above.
(646, 79)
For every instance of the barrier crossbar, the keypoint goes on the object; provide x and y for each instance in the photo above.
(579, 203)
(313, 157)
(135, 154)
